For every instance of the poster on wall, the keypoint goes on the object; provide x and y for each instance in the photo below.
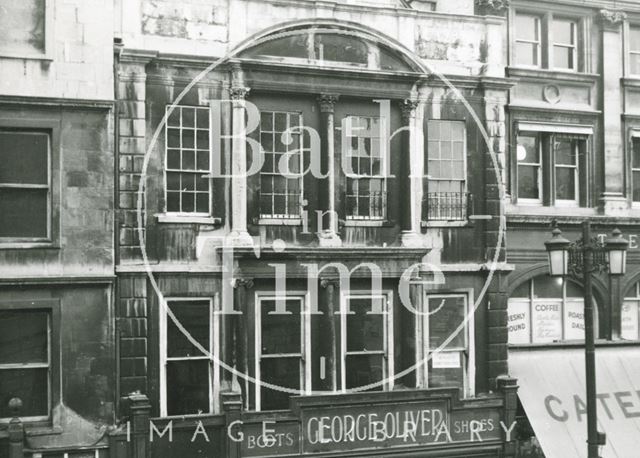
(629, 318)
(574, 319)
(546, 321)
(519, 321)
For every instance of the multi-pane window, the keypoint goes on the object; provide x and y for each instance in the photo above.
(635, 168)
(281, 173)
(366, 354)
(634, 50)
(630, 316)
(528, 43)
(25, 361)
(366, 181)
(549, 168)
(24, 185)
(280, 350)
(446, 168)
(187, 162)
(189, 375)
(446, 332)
(545, 310)
(564, 44)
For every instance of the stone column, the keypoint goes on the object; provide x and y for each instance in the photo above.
(508, 386)
(613, 200)
(232, 407)
(238, 92)
(242, 334)
(412, 173)
(16, 429)
(329, 332)
(328, 235)
(139, 414)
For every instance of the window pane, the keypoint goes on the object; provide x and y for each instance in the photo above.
(364, 370)
(635, 141)
(546, 286)
(634, 60)
(22, 27)
(528, 181)
(565, 183)
(30, 385)
(24, 213)
(447, 376)
(547, 321)
(634, 38)
(446, 314)
(526, 27)
(23, 337)
(528, 150)
(187, 387)
(527, 54)
(283, 372)
(281, 332)
(341, 48)
(194, 317)
(524, 290)
(563, 32)
(365, 331)
(566, 152)
(636, 186)
(629, 316)
(574, 290)
(24, 158)
(563, 57)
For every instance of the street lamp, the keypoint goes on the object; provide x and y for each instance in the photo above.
(583, 258)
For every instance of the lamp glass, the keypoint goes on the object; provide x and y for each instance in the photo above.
(558, 262)
(617, 261)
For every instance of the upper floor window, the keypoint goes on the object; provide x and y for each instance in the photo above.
(629, 316)
(634, 50)
(446, 195)
(281, 176)
(24, 28)
(545, 41)
(189, 378)
(25, 201)
(366, 181)
(551, 168)
(545, 310)
(635, 167)
(25, 362)
(187, 161)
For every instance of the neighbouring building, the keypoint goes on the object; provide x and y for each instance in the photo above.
(57, 341)
(573, 130)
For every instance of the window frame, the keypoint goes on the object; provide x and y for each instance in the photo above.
(305, 340)
(382, 176)
(539, 43)
(48, 54)
(52, 307)
(52, 125)
(206, 174)
(214, 350)
(636, 300)
(300, 175)
(422, 333)
(539, 165)
(576, 173)
(629, 52)
(553, 44)
(634, 134)
(388, 337)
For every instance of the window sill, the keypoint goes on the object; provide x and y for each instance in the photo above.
(365, 223)
(187, 219)
(445, 223)
(279, 221)
(543, 73)
(39, 57)
(23, 245)
(540, 210)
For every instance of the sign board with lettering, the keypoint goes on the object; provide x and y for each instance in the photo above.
(270, 438)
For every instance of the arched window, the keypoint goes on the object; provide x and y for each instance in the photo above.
(629, 315)
(545, 310)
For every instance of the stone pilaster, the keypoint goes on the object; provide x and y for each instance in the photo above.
(241, 346)
(132, 326)
(412, 173)
(329, 331)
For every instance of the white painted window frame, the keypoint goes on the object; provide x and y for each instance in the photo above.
(573, 46)
(388, 336)
(214, 350)
(538, 42)
(634, 134)
(529, 201)
(635, 299)
(305, 340)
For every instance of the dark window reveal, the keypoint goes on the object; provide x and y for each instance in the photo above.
(24, 184)
(635, 168)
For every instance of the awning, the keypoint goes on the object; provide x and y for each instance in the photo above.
(552, 392)
(555, 128)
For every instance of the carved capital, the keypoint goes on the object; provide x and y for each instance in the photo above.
(327, 102)
(612, 19)
(243, 283)
(495, 5)
(238, 93)
(329, 282)
(408, 107)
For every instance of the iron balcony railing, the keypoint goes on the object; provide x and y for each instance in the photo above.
(447, 206)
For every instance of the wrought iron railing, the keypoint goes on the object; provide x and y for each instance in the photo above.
(446, 206)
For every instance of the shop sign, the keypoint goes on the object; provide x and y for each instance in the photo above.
(269, 438)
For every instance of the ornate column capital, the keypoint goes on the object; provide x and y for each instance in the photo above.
(327, 102)
(612, 19)
(243, 283)
(329, 282)
(408, 107)
(238, 93)
(497, 6)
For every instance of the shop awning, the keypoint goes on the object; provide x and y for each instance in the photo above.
(552, 392)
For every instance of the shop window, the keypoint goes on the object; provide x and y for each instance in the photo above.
(546, 41)
(25, 185)
(23, 28)
(366, 343)
(187, 161)
(189, 377)
(634, 50)
(366, 181)
(281, 173)
(635, 168)
(551, 169)
(446, 198)
(446, 332)
(25, 362)
(280, 350)
(629, 316)
(546, 310)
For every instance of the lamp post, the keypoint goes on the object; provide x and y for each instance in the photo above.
(581, 259)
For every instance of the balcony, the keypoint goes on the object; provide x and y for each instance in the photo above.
(446, 206)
